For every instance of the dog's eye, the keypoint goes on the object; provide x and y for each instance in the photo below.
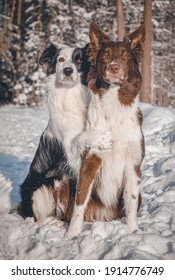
(61, 59)
(125, 55)
(105, 56)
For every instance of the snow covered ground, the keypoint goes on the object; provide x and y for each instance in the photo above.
(24, 239)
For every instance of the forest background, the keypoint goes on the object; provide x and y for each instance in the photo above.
(28, 26)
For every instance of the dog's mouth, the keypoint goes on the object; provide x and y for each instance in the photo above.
(114, 80)
(69, 81)
(65, 78)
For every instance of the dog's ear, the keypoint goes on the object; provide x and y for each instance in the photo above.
(77, 57)
(97, 36)
(49, 57)
(80, 58)
(135, 41)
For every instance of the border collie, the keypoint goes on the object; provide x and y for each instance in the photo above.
(58, 156)
(112, 178)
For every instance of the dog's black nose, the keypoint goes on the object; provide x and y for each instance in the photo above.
(68, 71)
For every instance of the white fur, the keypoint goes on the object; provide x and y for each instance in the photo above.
(108, 114)
(43, 203)
(131, 194)
(125, 153)
(68, 109)
(65, 54)
(60, 208)
(76, 223)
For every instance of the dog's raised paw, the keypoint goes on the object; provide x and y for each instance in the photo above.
(102, 140)
(106, 141)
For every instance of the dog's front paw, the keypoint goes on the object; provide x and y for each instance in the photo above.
(133, 226)
(102, 140)
(52, 221)
(72, 232)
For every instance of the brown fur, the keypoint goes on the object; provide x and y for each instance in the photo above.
(90, 165)
(131, 48)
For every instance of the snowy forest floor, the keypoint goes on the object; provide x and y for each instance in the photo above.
(24, 239)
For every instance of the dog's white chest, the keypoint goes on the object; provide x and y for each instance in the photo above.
(68, 108)
(108, 114)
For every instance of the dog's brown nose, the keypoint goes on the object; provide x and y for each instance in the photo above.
(114, 68)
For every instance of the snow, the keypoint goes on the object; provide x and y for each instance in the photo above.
(24, 239)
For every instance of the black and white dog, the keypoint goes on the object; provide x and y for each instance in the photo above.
(58, 156)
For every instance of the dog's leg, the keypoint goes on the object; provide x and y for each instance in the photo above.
(90, 165)
(131, 195)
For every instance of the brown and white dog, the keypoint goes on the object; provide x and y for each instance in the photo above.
(109, 180)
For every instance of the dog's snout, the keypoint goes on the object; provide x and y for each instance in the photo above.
(68, 71)
(114, 68)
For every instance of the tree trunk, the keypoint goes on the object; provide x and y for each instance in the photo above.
(146, 82)
(19, 10)
(120, 20)
(12, 11)
(18, 53)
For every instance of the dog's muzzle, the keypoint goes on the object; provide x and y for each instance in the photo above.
(67, 71)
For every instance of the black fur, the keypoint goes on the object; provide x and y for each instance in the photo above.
(77, 58)
(49, 164)
(85, 65)
(49, 57)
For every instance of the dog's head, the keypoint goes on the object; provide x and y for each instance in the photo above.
(115, 63)
(65, 63)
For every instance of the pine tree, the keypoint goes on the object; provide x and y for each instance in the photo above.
(28, 26)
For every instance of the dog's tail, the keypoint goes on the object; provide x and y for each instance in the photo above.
(44, 204)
